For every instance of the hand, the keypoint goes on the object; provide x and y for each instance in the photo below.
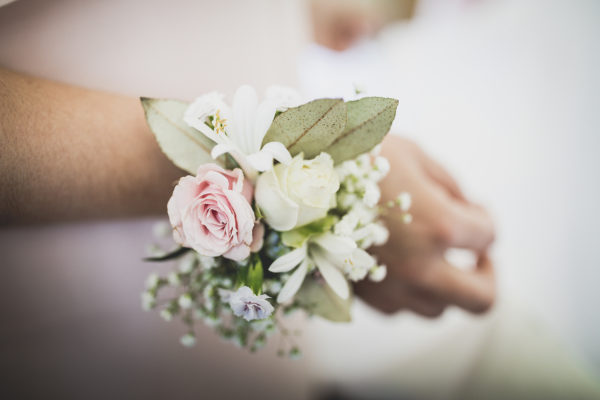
(419, 278)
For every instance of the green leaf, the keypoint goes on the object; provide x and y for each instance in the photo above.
(255, 276)
(242, 275)
(310, 127)
(186, 147)
(296, 237)
(169, 256)
(369, 120)
(318, 299)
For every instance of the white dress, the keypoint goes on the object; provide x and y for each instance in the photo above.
(506, 94)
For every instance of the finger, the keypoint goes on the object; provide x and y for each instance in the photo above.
(424, 303)
(391, 298)
(469, 226)
(472, 290)
(442, 177)
(456, 223)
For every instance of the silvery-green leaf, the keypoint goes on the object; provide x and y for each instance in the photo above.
(318, 298)
(186, 147)
(369, 120)
(310, 127)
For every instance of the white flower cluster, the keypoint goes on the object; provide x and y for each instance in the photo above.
(338, 252)
(332, 219)
(357, 198)
(201, 289)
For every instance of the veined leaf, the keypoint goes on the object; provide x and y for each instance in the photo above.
(369, 120)
(310, 127)
(319, 299)
(183, 145)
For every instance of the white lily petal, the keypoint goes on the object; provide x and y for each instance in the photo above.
(263, 120)
(335, 244)
(249, 171)
(203, 107)
(288, 261)
(291, 286)
(363, 259)
(333, 276)
(220, 149)
(261, 161)
(245, 103)
(278, 151)
(206, 131)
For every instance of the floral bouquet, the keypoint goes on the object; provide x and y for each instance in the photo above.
(278, 213)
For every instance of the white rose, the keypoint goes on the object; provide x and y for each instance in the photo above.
(298, 193)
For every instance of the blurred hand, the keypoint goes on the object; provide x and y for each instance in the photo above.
(419, 278)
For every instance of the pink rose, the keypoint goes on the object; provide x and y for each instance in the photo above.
(211, 212)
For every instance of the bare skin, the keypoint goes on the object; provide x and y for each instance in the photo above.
(419, 277)
(70, 153)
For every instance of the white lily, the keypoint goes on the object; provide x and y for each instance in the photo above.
(333, 255)
(239, 130)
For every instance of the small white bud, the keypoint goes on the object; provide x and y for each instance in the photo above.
(376, 150)
(351, 168)
(166, 314)
(355, 272)
(382, 165)
(364, 214)
(212, 321)
(359, 88)
(173, 279)
(371, 234)
(187, 264)
(404, 200)
(372, 194)
(148, 301)
(185, 301)
(162, 229)
(188, 340)
(208, 262)
(346, 225)
(274, 286)
(407, 218)
(363, 161)
(260, 325)
(346, 200)
(152, 281)
(381, 234)
(378, 273)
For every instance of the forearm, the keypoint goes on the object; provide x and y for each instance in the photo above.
(71, 153)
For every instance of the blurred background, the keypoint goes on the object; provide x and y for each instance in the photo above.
(505, 93)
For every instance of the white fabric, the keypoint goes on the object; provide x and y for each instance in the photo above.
(506, 95)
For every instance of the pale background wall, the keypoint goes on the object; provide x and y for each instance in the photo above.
(72, 326)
